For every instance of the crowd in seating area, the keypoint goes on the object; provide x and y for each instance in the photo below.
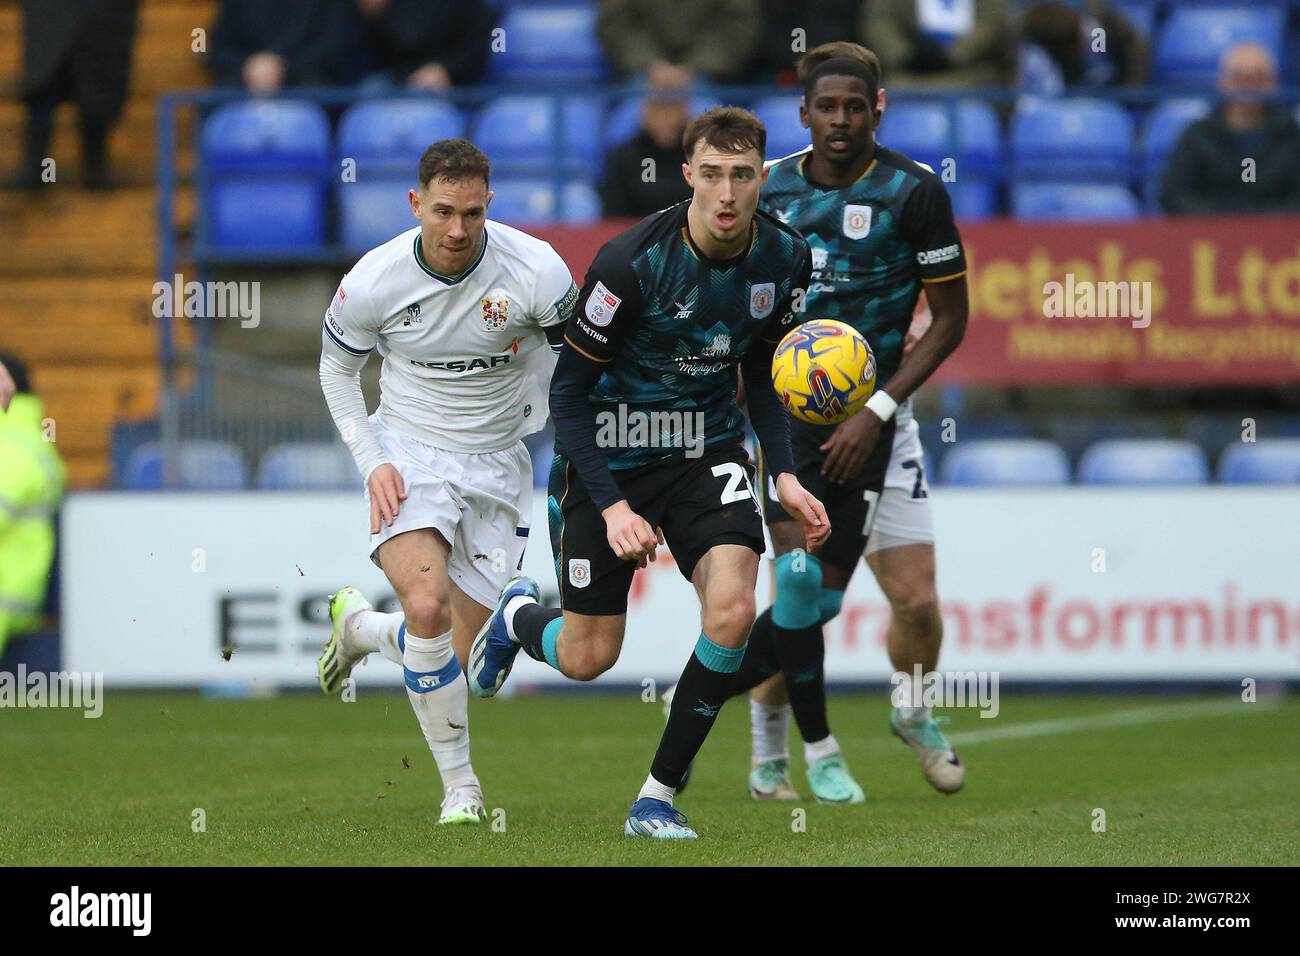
(1073, 109)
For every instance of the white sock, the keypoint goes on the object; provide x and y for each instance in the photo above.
(903, 692)
(769, 728)
(514, 604)
(436, 687)
(653, 788)
(370, 631)
(822, 748)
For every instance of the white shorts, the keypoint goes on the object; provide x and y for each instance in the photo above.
(481, 503)
(903, 515)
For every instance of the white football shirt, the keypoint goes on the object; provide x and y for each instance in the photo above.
(466, 364)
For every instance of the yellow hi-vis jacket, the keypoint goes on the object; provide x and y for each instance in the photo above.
(31, 483)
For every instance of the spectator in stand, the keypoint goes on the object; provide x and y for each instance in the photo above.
(941, 43)
(822, 21)
(426, 44)
(1208, 172)
(268, 46)
(77, 50)
(31, 483)
(676, 41)
(1061, 43)
(632, 187)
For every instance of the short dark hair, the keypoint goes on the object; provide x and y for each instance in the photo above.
(453, 159)
(728, 128)
(17, 371)
(833, 51)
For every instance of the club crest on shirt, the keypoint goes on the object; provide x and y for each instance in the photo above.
(857, 221)
(496, 312)
(761, 299)
(413, 315)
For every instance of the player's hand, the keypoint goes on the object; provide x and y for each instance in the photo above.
(387, 491)
(7, 388)
(850, 445)
(806, 509)
(630, 536)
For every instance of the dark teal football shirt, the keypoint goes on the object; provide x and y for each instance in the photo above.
(874, 243)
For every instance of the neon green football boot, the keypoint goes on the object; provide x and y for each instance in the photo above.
(335, 664)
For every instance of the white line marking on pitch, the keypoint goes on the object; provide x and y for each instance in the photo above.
(1119, 718)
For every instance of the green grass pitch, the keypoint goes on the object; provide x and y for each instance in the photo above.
(302, 779)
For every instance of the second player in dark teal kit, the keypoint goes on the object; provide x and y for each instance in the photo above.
(880, 228)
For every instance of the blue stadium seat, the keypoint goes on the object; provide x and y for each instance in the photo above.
(1079, 140)
(532, 202)
(1144, 461)
(785, 134)
(1193, 38)
(1073, 202)
(624, 118)
(387, 137)
(1270, 461)
(1007, 461)
(925, 131)
(265, 173)
(203, 466)
(520, 137)
(307, 466)
(373, 211)
(555, 43)
(1160, 135)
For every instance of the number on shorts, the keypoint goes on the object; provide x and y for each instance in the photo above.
(871, 498)
(736, 478)
(918, 489)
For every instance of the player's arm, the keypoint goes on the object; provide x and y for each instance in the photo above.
(554, 296)
(927, 223)
(771, 421)
(349, 335)
(608, 304)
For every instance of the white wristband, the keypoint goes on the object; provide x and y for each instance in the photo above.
(882, 405)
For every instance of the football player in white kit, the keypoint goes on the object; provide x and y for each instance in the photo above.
(466, 315)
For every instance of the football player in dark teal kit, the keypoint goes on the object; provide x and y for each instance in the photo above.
(881, 230)
(649, 443)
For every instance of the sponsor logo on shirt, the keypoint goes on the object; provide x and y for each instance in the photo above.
(475, 363)
(929, 257)
(857, 221)
(564, 308)
(496, 312)
(761, 299)
(601, 305)
(339, 298)
(333, 322)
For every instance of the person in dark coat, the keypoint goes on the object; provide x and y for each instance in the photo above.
(632, 187)
(78, 50)
(427, 44)
(1208, 172)
(266, 46)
